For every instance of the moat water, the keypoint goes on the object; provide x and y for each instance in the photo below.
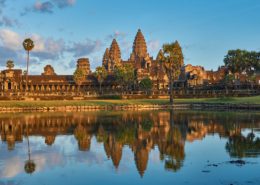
(153, 147)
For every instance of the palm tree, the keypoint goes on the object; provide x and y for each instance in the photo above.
(10, 64)
(28, 46)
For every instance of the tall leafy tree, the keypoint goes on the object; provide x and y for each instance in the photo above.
(79, 76)
(158, 68)
(10, 64)
(28, 46)
(119, 76)
(242, 61)
(172, 60)
(129, 76)
(101, 75)
(125, 76)
(146, 84)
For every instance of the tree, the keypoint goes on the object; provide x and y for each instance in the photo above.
(229, 78)
(146, 84)
(172, 60)
(125, 76)
(158, 68)
(129, 76)
(79, 76)
(101, 75)
(28, 46)
(10, 64)
(239, 61)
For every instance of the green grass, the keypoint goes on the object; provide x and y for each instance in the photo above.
(231, 100)
(54, 103)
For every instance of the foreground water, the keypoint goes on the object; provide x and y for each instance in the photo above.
(156, 147)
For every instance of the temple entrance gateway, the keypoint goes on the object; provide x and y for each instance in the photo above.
(9, 86)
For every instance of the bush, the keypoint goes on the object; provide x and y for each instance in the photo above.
(146, 84)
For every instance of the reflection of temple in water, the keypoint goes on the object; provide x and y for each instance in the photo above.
(141, 131)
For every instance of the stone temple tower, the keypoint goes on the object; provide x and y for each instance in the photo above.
(112, 57)
(115, 53)
(83, 63)
(139, 46)
(105, 61)
(139, 54)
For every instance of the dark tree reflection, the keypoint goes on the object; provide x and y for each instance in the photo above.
(241, 146)
(29, 166)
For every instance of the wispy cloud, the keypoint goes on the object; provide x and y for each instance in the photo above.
(8, 22)
(153, 45)
(48, 6)
(116, 35)
(80, 49)
(64, 3)
(45, 7)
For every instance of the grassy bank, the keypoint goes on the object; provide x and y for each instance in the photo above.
(54, 103)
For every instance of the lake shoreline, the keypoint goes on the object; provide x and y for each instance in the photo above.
(133, 107)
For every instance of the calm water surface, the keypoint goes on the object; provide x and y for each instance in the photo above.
(155, 147)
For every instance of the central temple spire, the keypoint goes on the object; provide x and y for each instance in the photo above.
(139, 47)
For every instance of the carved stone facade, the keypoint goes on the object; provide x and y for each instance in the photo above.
(197, 75)
(13, 80)
(139, 47)
(144, 65)
(83, 63)
(10, 79)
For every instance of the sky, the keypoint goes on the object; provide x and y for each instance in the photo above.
(65, 30)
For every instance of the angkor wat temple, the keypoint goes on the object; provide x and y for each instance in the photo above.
(14, 81)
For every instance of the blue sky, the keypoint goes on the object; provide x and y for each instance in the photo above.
(64, 30)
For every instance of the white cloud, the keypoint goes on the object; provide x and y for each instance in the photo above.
(10, 39)
(45, 48)
(13, 167)
(81, 49)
